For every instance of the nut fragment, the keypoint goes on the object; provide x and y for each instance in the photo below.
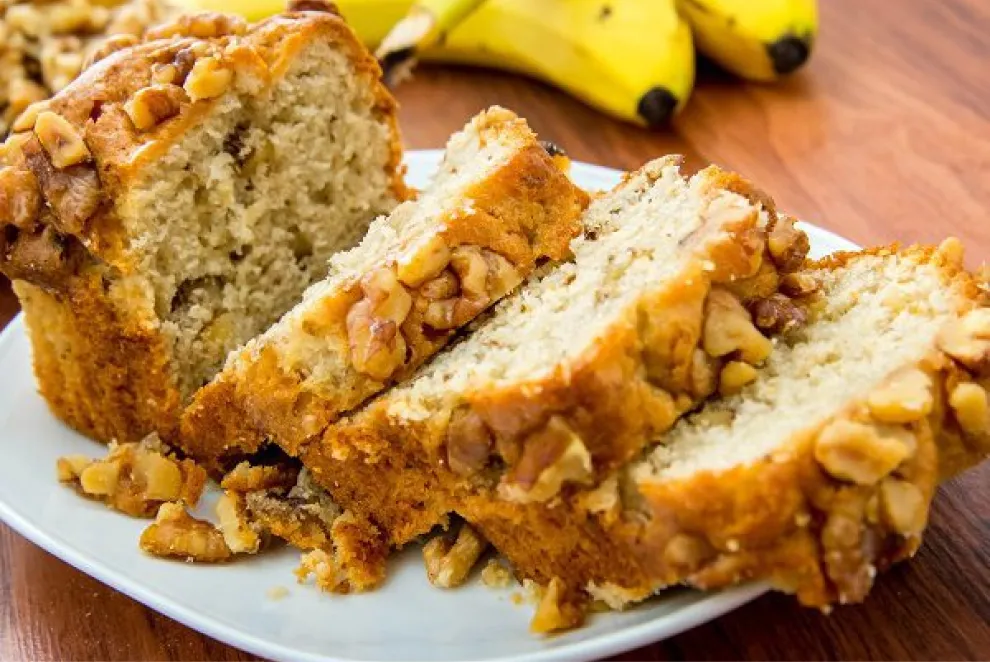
(728, 328)
(235, 526)
(469, 442)
(26, 120)
(356, 561)
(903, 506)
(388, 297)
(555, 612)
(165, 74)
(860, 453)
(797, 285)
(153, 105)
(448, 564)
(734, 376)
(552, 456)
(204, 25)
(444, 286)
(312, 5)
(502, 275)
(20, 199)
(377, 347)
(788, 246)
(70, 467)
(61, 140)
(472, 271)
(952, 251)
(968, 340)
(246, 477)
(969, 403)
(175, 533)
(207, 79)
(423, 262)
(778, 314)
(905, 399)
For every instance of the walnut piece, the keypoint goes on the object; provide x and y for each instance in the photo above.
(239, 533)
(968, 340)
(246, 477)
(777, 314)
(356, 562)
(861, 453)
(729, 328)
(903, 506)
(469, 442)
(153, 105)
(444, 286)
(734, 376)
(905, 399)
(797, 285)
(495, 575)
(788, 246)
(552, 456)
(176, 534)
(377, 347)
(204, 25)
(312, 5)
(554, 612)
(135, 479)
(207, 79)
(448, 563)
(472, 270)
(969, 403)
(61, 140)
(20, 199)
(424, 262)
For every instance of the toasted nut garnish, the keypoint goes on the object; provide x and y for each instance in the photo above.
(441, 315)
(444, 286)
(164, 74)
(969, 402)
(728, 328)
(61, 140)
(20, 199)
(135, 479)
(238, 532)
(25, 121)
(734, 376)
(389, 299)
(952, 251)
(502, 275)
(205, 25)
(449, 563)
(423, 262)
(552, 456)
(902, 506)
(377, 347)
(472, 271)
(798, 285)
(153, 105)
(207, 79)
(905, 399)
(860, 453)
(110, 46)
(246, 477)
(968, 340)
(13, 147)
(703, 375)
(778, 314)
(788, 245)
(554, 612)
(469, 442)
(175, 533)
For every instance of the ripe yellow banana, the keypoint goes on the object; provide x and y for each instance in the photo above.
(757, 39)
(631, 58)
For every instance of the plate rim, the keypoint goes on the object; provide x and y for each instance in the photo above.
(711, 606)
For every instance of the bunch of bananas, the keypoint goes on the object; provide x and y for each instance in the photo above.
(633, 59)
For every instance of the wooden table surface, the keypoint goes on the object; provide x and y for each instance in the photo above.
(885, 136)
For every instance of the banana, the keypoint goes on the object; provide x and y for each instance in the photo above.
(759, 40)
(633, 59)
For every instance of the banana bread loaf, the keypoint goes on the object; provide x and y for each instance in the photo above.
(813, 477)
(567, 379)
(497, 207)
(179, 196)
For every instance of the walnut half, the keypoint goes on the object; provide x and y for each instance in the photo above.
(448, 563)
(176, 534)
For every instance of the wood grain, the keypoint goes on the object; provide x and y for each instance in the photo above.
(885, 136)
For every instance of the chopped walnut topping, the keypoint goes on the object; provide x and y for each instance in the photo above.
(448, 563)
(444, 286)
(60, 139)
(729, 328)
(205, 25)
(968, 341)
(26, 120)
(860, 453)
(176, 534)
(239, 533)
(552, 456)
(376, 344)
(905, 399)
(788, 246)
(135, 479)
(472, 270)
(207, 79)
(777, 314)
(469, 442)
(555, 612)
(969, 403)
(153, 105)
(903, 506)
(797, 285)
(734, 376)
(424, 262)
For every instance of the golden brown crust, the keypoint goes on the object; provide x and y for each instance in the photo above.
(526, 211)
(102, 364)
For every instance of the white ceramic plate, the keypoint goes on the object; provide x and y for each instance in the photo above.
(406, 619)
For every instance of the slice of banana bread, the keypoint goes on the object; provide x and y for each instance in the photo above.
(814, 477)
(497, 207)
(567, 379)
(179, 196)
